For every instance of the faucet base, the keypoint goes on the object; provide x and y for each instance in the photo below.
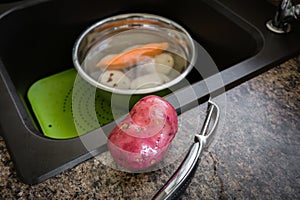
(275, 29)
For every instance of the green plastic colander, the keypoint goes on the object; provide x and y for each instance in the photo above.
(60, 113)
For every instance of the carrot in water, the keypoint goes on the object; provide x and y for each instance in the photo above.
(132, 56)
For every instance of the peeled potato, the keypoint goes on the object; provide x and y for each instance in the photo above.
(115, 78)
(180, 63)
(162, 63)
(164, 59)
(149, 80)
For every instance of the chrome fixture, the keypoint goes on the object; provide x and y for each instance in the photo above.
(286, 13)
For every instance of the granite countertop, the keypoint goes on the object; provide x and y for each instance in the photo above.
(255, 153)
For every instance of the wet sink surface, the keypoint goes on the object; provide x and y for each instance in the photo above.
(36, 41)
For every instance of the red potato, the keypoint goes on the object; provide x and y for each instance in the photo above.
(142, 139)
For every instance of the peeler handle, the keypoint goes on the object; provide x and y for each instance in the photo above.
(183, 175)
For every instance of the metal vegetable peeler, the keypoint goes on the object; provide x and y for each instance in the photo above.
(183, 175)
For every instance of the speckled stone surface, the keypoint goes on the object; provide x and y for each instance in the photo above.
(255, 153)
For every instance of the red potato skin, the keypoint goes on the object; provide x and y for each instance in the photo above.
(143, 137)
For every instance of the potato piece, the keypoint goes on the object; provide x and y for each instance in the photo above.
(115, 78)
(164, 59)
(162, 63)
(149, 80)
(180, 63)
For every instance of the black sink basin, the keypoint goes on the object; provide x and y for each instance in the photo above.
(36, 41)
(42, 36)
